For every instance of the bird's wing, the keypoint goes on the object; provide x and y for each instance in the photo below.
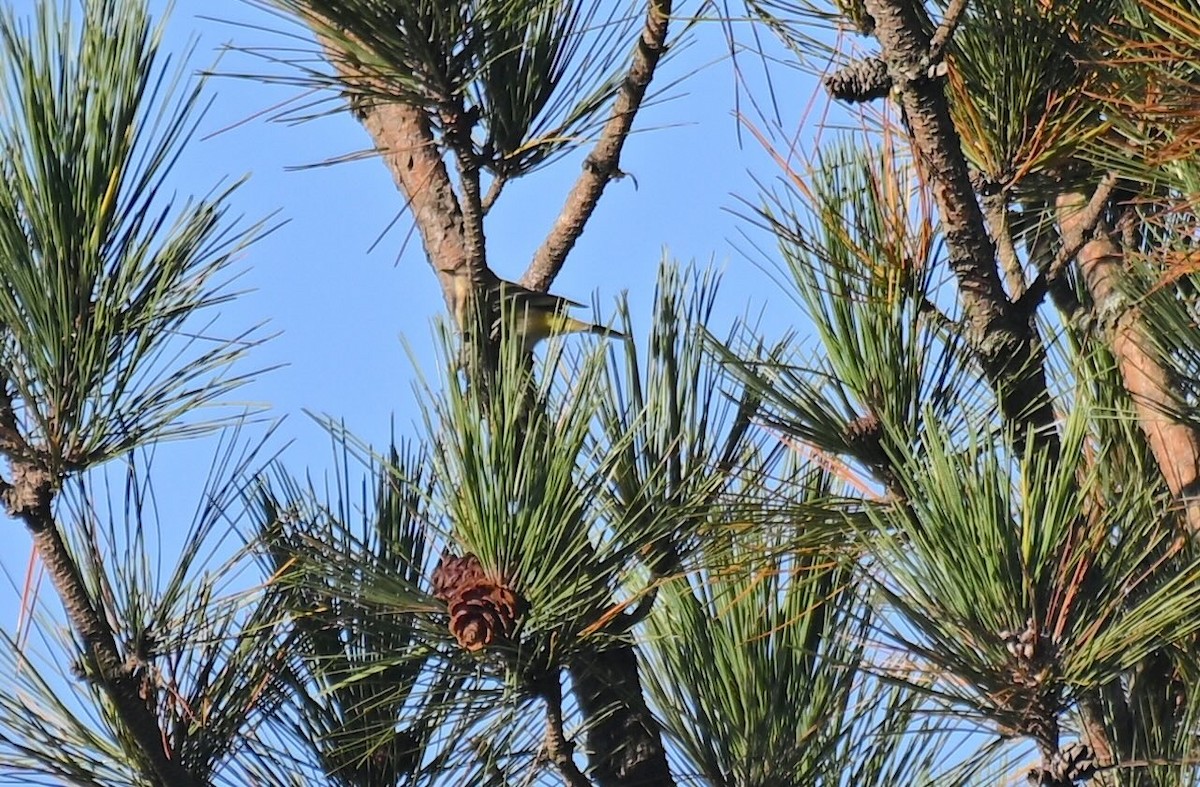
(525, 298)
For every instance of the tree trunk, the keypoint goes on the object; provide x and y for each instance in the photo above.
(623, 740)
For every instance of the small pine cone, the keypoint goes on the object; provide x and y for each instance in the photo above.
(861, 81)
(1023, 645)
(454, 573)
(1030, 634)
(483, 614)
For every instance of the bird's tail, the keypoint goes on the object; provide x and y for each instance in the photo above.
(571, 325)
(605, 331)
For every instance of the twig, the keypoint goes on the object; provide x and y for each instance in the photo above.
(1075, 236)
(556, 748)
(642, 605)
(834, 465)
(457, 124)
(601, 164)
(997, 217)
(941, 37)
(493, 193)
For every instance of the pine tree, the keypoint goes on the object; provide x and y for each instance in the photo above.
(944, 537)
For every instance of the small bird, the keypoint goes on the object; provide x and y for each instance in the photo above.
(539, 315)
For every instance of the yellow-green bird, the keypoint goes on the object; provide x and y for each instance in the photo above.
(539, 315)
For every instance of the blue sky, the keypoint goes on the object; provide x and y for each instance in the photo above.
(341, 308)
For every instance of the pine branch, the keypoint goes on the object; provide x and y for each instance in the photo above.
(1003, 337)
(601, 165)
(404, 139)
(1010, 262)
(1174, 444)
(941, 37)
(1075, 233)
(493, 193)
(29, 497)
(458, 123)
(556, 747)
(624, 743)
(1096, 734)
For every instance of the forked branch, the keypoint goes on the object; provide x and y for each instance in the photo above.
(1003, 337)
(404, 139)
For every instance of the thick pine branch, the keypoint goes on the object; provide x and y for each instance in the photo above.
(1175, 445)
(1003, 337)
(624, 743)
(405, 141)
(602, 163)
